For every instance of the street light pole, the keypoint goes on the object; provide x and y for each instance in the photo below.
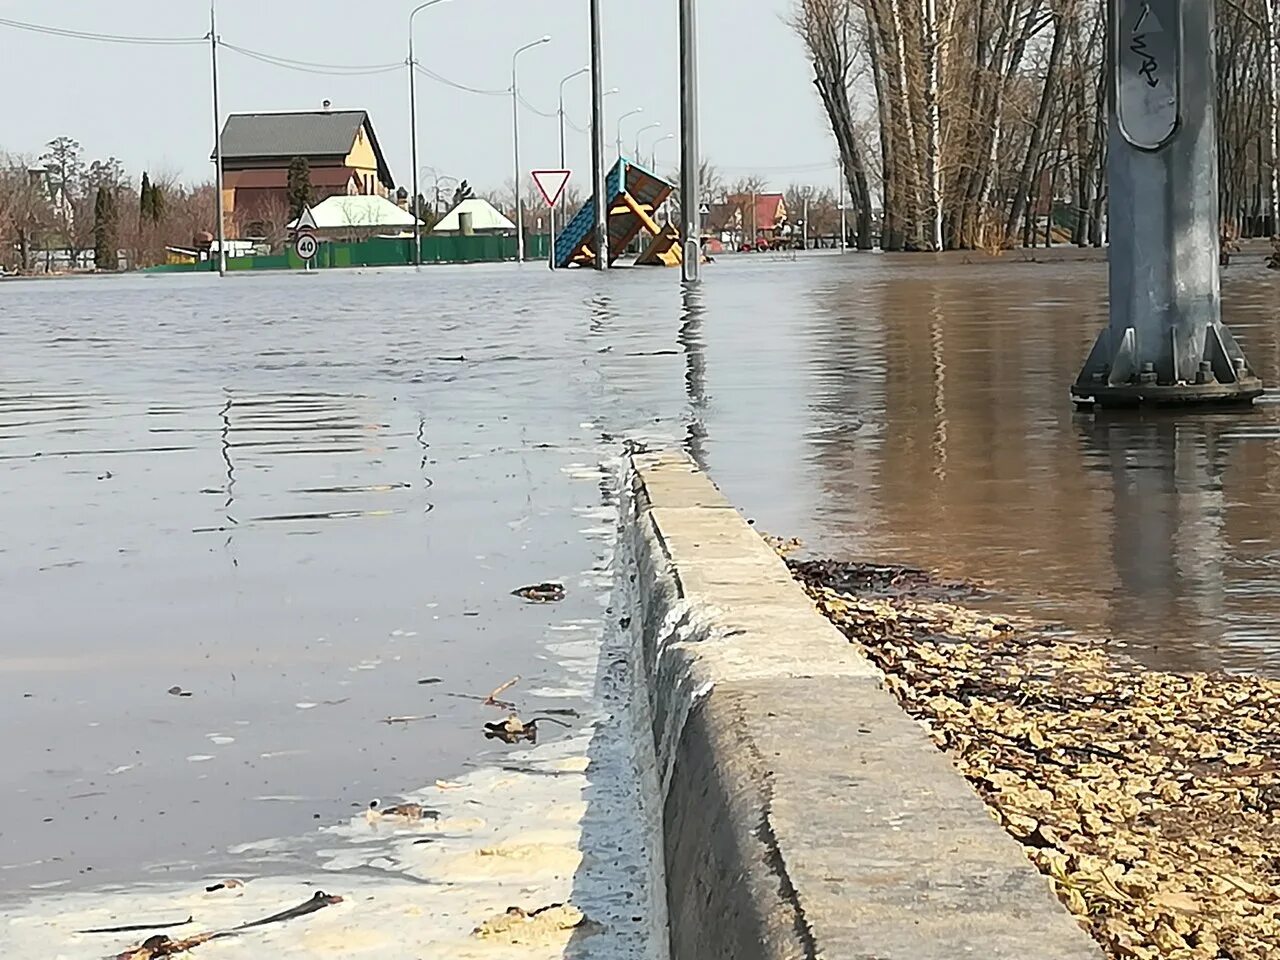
(690, 149)
(413, 133)
(653, 152)
(804, 226)
(515, 139)
(217, 143)
(597, 140)
(652, 126)
(630, 113)
(563, 156)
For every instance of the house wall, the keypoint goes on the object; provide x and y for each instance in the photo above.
(364, 161)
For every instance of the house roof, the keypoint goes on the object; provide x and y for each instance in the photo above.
(358, 212)
(484, 216)
(283, 136)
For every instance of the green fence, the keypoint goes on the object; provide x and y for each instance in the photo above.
(382, 252)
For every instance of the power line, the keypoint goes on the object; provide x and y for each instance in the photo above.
(100, 37)
(542, 113)
(306, 66)
(459, 86)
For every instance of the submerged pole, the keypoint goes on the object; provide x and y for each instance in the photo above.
(690, 146)
(1165, 342)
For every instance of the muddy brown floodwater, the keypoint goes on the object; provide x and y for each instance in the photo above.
(296, 496)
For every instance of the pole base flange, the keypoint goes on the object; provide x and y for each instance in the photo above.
(1245, 390)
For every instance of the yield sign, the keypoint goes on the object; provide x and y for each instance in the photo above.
(551, 183)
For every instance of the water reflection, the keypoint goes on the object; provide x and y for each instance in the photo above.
(695, 372)
(941, 435)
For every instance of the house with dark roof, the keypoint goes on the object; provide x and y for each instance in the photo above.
(340, 147)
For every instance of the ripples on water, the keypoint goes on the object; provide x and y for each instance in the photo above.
(296, 496)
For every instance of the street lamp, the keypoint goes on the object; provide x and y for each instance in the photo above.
(576, 73)
(804, 224)
(644, 129)
(630, 113)
(653, 152)
(515, 138)
(413, 132)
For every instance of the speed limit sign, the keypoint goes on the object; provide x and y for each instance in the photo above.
(306, 246)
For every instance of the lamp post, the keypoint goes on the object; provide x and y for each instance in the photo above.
(690, 147)
(413, 132)
(644, 129)
(653, 151)
(515, 139)
(629, 113)
(804, 224)
(575, 74)
(217, 144)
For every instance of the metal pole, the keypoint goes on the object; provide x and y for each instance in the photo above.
(597, 141)
(844, 223)
(630, 113)
(639, 133)
(804, 227)
(515, 139)
(217, 144)
(413, 140)
(1165, 342)
(563, 153)
(690, 147)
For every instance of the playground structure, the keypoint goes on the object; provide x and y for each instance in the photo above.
(635, 194)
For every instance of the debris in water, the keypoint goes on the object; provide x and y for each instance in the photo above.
(518, 926)
(426, 681)
(176, 691)
(513, 729)
(414, 812)
(492, 699)
(414, 719)
(1150, 799)
(229, 884)
(782, 546)
(162, 946)
(541, 593)
(136, 927)
(318, 901)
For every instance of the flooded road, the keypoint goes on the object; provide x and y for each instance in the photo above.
(297, 497)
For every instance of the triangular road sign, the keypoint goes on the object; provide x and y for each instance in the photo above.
(307, 221)
(551, 183)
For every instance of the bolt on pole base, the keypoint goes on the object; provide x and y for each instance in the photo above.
(1113, 376)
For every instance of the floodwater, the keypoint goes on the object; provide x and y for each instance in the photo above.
(296, 497)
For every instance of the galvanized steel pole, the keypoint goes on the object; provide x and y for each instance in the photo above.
(1165, 343)
(597, 141)
(217, 144)
(515, 139)
(690, 150)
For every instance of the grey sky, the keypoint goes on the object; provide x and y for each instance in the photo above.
(150, 105)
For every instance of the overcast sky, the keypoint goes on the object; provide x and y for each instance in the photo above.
(150, 105)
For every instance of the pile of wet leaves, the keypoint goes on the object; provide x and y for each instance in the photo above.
(1151, 800)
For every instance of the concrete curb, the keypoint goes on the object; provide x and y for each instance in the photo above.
(805, 815)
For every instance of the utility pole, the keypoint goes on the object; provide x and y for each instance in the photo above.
(217, 142)
(597, 141)
(804, 224)
(844, 225)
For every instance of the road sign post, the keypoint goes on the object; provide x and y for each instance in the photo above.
(551, 184)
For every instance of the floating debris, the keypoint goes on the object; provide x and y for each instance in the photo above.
(162, 946)
(518, 926)
(177, 691)
(229, 884)
(1150, 799)
(413, 812)
(513, 729)
(491, 699)
(138, 927)
(319, 900)
(412, 719)
(541, 593)
(783, 546)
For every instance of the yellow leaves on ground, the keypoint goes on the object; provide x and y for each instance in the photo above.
(1151, 800)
